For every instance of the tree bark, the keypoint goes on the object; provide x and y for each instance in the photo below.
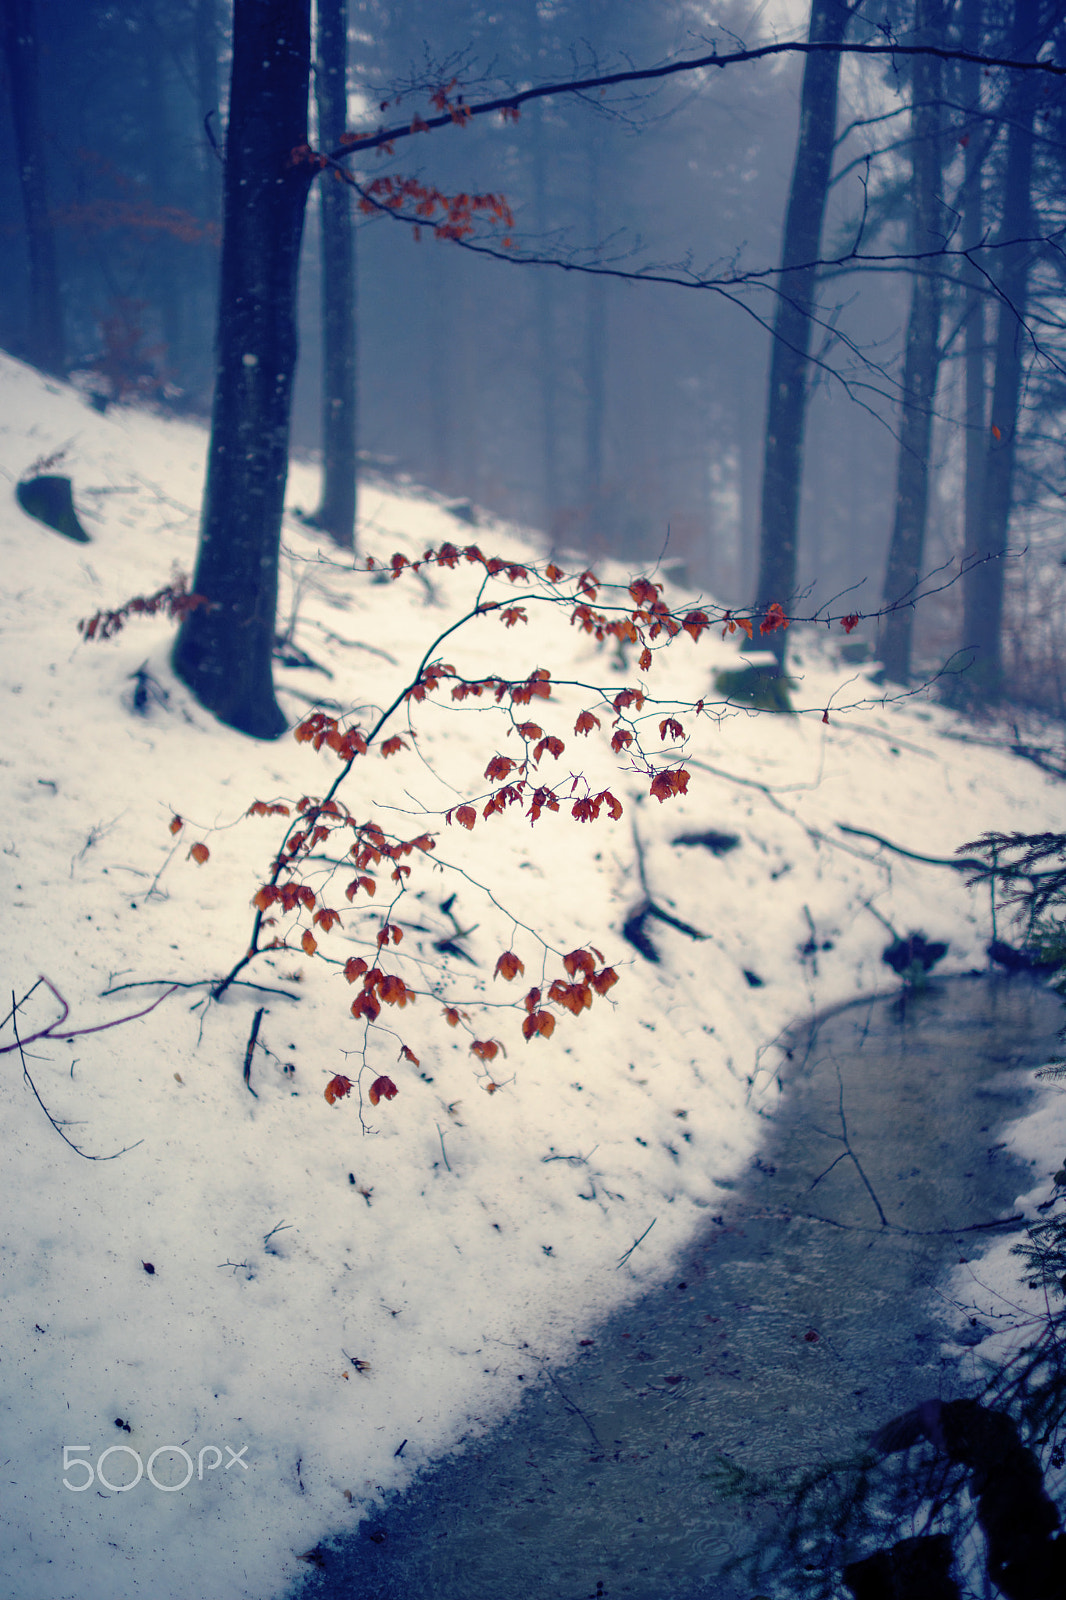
(922, 361)
(224, 650)
(46, 341)
(974, 353)
(336, 512)
(983, 589)
(787, 399)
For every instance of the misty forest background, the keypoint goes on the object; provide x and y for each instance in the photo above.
(621, 418)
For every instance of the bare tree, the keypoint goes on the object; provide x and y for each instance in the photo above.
(922, 361)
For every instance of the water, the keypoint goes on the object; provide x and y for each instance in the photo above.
(803, 1319)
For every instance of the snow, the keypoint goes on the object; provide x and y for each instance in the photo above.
(469, 1236)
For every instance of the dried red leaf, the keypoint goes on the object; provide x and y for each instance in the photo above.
(176, 824)
(538, 1022)
(200, 854)
(382, 1089)
(337, 1088)
(508, 966)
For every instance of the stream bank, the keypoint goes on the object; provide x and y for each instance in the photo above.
(801, 1321)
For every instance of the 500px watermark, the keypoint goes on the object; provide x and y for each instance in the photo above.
(74, 1462)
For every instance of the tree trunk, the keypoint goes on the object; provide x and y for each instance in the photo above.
(595, 366)
(973, 285)
(922, 362)
(224, 651)
(46, 347)
(336, 513)
(983, 593)
(546, 359)
(787, 400)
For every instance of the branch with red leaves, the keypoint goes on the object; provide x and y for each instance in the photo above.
(337, 869)
(173, 600)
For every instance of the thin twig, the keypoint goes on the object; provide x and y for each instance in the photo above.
(623, 1259)
(443, 1152)
(13, 1018)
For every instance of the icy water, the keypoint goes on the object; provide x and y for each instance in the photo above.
(803, 1319)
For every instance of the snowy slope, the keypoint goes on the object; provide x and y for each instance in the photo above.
(467, 1237)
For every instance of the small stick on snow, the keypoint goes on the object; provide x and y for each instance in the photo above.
(252, 1038)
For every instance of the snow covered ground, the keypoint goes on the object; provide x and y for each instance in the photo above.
(311, 1311)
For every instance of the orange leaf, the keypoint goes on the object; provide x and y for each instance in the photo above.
(451, 1016)
(308, 942)
(538, 1022)
(603, 980)
(514, 614)
(586, 722)
(996, 433)
(394, 992)
(849, 622)
(337, 1088)
(509, 966)
(665, 784)
(408, 1055)
(364, 1005)
(670, 726)
(499, 767)
(391, 746)
(621, 740)
(199, 853)
(579, 961)
(553, 573)
(775, 618)
(176, 824)
(382, 1089)
(554, 747)
(266, 897)
(360, 883)
(466, 816)
(326, 919)
(354, 968)
(645, 659)
(485, 1049)
(695, 623)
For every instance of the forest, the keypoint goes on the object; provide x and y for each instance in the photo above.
(623, 446)
(594, 359)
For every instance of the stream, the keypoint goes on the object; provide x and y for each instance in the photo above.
(801, 1320)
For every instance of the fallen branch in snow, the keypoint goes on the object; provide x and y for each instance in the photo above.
(623, 1259)
(250, 1051)
(960, 863)
(70, 1033)
(12, 1017)
(633, 927)
(193, 983)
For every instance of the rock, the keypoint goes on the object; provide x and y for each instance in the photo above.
(49, 499)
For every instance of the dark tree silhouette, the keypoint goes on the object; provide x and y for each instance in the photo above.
(224, 650)
(45, 345)
(786, 408)
(336, 512)
(922, 361)
(983, 585)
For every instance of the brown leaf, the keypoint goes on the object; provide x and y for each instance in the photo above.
(337, 1088)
